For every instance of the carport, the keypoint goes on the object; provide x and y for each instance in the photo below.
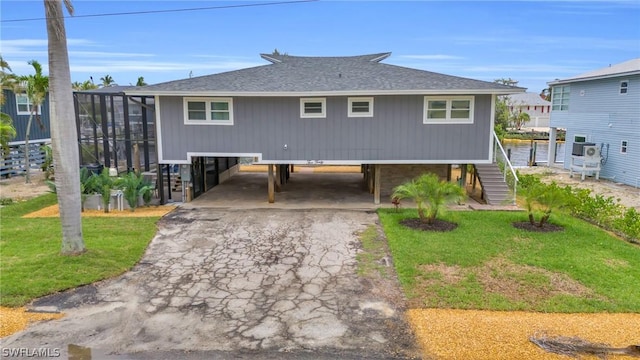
(302, 189)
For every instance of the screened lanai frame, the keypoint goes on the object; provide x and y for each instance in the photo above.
(111, 125)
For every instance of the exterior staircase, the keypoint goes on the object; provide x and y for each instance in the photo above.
(495, 190)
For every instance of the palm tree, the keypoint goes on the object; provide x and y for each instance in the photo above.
(85, 85)
(141, 81)
(7, 81)
(107, 80)
(543, 199)
(36, 87)
(430, 195)
(63, 130)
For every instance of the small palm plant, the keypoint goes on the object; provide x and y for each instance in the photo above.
(430, 195)
(133, 186)
(541, 199)
(103, 184)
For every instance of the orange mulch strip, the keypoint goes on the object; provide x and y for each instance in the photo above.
(13, 320)
(150, 211)
(474, 334)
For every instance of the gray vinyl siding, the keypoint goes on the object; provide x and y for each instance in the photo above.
(265, 124)
(598, 111)
(20, 121)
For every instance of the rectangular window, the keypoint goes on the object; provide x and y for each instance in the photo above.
(24, 105)
(624, 87)
(208, 111)
(313, 107)
(560, 97)
(623, 146)
(580, 138)
(361, 107)
(448, 110)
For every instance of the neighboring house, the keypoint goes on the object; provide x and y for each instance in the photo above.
(18, 107)
(395, 121)
(601, 107)
(534, 105)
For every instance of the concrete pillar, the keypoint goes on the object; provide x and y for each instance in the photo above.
(551, 154)
(272, 195)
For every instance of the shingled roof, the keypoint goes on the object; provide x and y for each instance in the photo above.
(627, 68)
(348, 75)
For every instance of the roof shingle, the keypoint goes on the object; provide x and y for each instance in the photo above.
(295, 74)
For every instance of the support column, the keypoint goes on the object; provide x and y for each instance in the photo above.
(551, 153)
(463, 176)
(272, 195)
(376, 185)
(278, 178)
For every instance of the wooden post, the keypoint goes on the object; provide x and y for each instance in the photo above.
(376, 185)
(278, 178)
(372, 170)
(463, 176)
(272, 195)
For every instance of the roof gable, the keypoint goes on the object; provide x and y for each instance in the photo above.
(294, 75)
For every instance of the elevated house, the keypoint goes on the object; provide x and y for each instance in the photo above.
(530, 103)
(396, 122)
(18, 107)
(600, 111)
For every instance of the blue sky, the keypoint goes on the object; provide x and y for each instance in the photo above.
(530, 41)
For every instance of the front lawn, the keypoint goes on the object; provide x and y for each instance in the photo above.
(30, 260)
(486, 263)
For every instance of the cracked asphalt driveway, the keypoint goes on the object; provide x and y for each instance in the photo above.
(223, 282)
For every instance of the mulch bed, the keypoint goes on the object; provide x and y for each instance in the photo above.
(547, 227)
(437, 225)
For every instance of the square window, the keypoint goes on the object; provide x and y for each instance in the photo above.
(24, 105)
(197, 110)
(208, 111)
(448, 110)
(360, 107)
(313, 108)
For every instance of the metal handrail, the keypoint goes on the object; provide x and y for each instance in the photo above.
(498, 145)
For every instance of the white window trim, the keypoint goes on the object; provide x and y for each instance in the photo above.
(448, 119)
(580, 135)
(207, 101)
(29, 105)
(322, 114)
(626, 87)
(624, 149)
(350, 102)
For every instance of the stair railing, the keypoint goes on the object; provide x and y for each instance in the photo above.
(500, 157)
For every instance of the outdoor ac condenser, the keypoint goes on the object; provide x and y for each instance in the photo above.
(591, 153)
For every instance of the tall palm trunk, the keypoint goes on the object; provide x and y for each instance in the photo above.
(27, 165)
(63, 131)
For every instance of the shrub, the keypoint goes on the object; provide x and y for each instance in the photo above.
(430, 194)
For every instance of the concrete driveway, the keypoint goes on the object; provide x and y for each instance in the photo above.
(220, 283)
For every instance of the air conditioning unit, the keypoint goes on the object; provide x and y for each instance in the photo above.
(578, 148)
(591, 153)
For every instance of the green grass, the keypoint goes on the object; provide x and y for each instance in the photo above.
(31, 264)
(605, 266)
(373, 250)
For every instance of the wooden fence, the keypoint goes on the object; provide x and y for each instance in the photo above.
(12, 161)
